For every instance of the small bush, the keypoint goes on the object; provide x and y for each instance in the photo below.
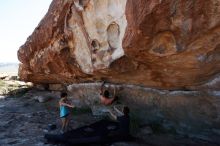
(2, 83)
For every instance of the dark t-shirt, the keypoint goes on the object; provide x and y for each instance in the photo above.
(124, 124)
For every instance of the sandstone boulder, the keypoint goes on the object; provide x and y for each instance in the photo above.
(165, 44)
(41, 87)
(56, 87)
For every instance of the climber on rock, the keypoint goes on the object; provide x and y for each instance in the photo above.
(105, 97)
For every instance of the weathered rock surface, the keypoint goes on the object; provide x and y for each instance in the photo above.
(183, 112)
(157, 43)
(56, 87)
(42, 98)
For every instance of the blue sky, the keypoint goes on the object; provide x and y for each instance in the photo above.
(18, 18)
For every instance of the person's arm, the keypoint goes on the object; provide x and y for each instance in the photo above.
(102, 99)
(119, 113)
(66, 104)
(110, 100)
(113, 115)
(101, 89)
(69, 105)
(114, 92)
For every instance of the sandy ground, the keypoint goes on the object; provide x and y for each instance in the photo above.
(24, 121)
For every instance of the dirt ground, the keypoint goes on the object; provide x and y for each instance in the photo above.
(24, 121)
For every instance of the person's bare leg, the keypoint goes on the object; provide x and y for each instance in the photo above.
(63, 124)
(67, 123)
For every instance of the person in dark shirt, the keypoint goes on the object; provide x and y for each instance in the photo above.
(123, 123)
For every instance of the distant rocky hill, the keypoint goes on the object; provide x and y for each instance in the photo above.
(5, 64)
(8, 67)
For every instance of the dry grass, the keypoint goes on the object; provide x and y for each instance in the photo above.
(2, 83)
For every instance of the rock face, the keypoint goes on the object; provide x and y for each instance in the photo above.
(169, 44)
(189, 112)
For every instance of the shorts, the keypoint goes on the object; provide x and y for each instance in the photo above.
(64, 116)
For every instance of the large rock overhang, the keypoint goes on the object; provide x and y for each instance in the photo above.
(155, 43)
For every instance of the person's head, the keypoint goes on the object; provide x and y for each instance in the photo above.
(106, 93)
(126, 111)
(63, 95)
